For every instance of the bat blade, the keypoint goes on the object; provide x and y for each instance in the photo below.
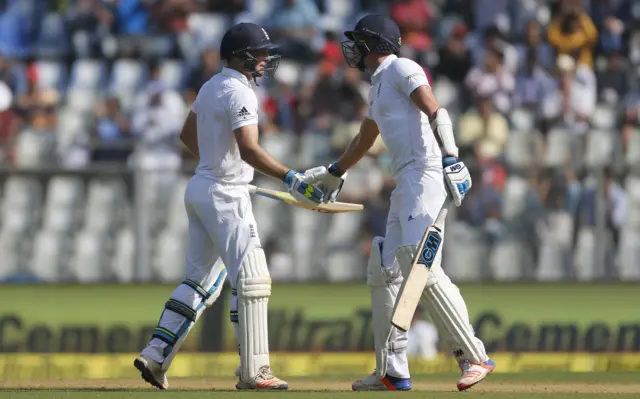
(331, 207)
(413, 285)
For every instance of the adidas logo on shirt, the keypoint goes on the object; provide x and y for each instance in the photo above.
(244, 113)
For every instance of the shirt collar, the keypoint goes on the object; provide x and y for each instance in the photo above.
(236, 74)
(384, 65)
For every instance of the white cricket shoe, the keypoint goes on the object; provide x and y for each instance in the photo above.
(264, 380)
(151, 372)
(386, 383)
(473, 373)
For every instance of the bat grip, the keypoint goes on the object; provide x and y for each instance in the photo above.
(252, 188)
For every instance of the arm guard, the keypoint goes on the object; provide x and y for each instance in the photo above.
(443, 129)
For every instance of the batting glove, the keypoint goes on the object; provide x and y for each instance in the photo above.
(302, 191)
(457, 179)
(330, 180)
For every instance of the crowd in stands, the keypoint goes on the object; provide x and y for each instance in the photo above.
(544, 95)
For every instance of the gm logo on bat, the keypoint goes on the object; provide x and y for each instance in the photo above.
(430, 249)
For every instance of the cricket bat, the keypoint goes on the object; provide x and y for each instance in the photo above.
(330, 207)
(413, 284)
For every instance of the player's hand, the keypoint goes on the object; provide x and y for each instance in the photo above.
(330, 180)
(302, 191)
(456, 178)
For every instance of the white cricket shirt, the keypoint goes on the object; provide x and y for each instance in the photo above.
(225, 103)
(405, 129)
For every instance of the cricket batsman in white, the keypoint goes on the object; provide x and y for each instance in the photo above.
(222, 131)
(419, 137)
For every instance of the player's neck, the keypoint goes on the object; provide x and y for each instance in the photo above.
(241, 70)
(373, 61)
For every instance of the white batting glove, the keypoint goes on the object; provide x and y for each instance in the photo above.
(302, 191)
(457, 179)
(330, 180)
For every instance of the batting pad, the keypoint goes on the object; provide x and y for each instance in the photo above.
(447, 309)
(384, 285)
(183, 309)
(254, 289)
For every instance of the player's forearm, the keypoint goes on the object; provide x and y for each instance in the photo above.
(191, 143)
(189, 134)
(263, 162)
(354, 153)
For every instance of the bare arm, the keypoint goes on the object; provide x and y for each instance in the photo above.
(424, 99)
(359, 145)
(189, 134)
(256, 156)
(441, 124)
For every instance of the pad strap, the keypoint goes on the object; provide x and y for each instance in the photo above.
(181, 309)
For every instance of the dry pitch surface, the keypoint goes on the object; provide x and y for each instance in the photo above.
(501, 386)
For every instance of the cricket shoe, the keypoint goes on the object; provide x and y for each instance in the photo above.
(473, 373)
(264, 380)
(151, 372)
(386, 383)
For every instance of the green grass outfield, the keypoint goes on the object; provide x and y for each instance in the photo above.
(501, 386)
(530, 303)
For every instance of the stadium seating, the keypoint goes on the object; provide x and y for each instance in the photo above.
(123, 261)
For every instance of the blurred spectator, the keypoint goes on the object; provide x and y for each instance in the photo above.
(15, 34)
(573, 32)
(282, 101)
(482, 207)
(171, 15)
(293, 26)
(88, 22)
(493, 80)
(158, 118)
(616, 203)
(422, 337)
(534, 85)
(484, 130)
(494, 40)
(413, 17)
(616, 80)
(8, 125)
(631, 116)
(209, 66)
(491, 13)
(112, 133)
(612, 19)
(13, 75)
(37, 107)
(157, 121)
(454, 57)
(533, 39)
(332, 97)
(224, 6)
(576, 100)
(132, 17)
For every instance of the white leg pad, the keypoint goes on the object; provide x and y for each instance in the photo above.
(384, 284)
(254, 289)
(444, 303)
(183, 309)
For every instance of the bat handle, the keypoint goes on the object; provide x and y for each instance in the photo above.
(252, 188)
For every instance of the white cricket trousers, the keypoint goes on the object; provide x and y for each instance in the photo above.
(221, 225)
(222, 232)
(415, 203)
